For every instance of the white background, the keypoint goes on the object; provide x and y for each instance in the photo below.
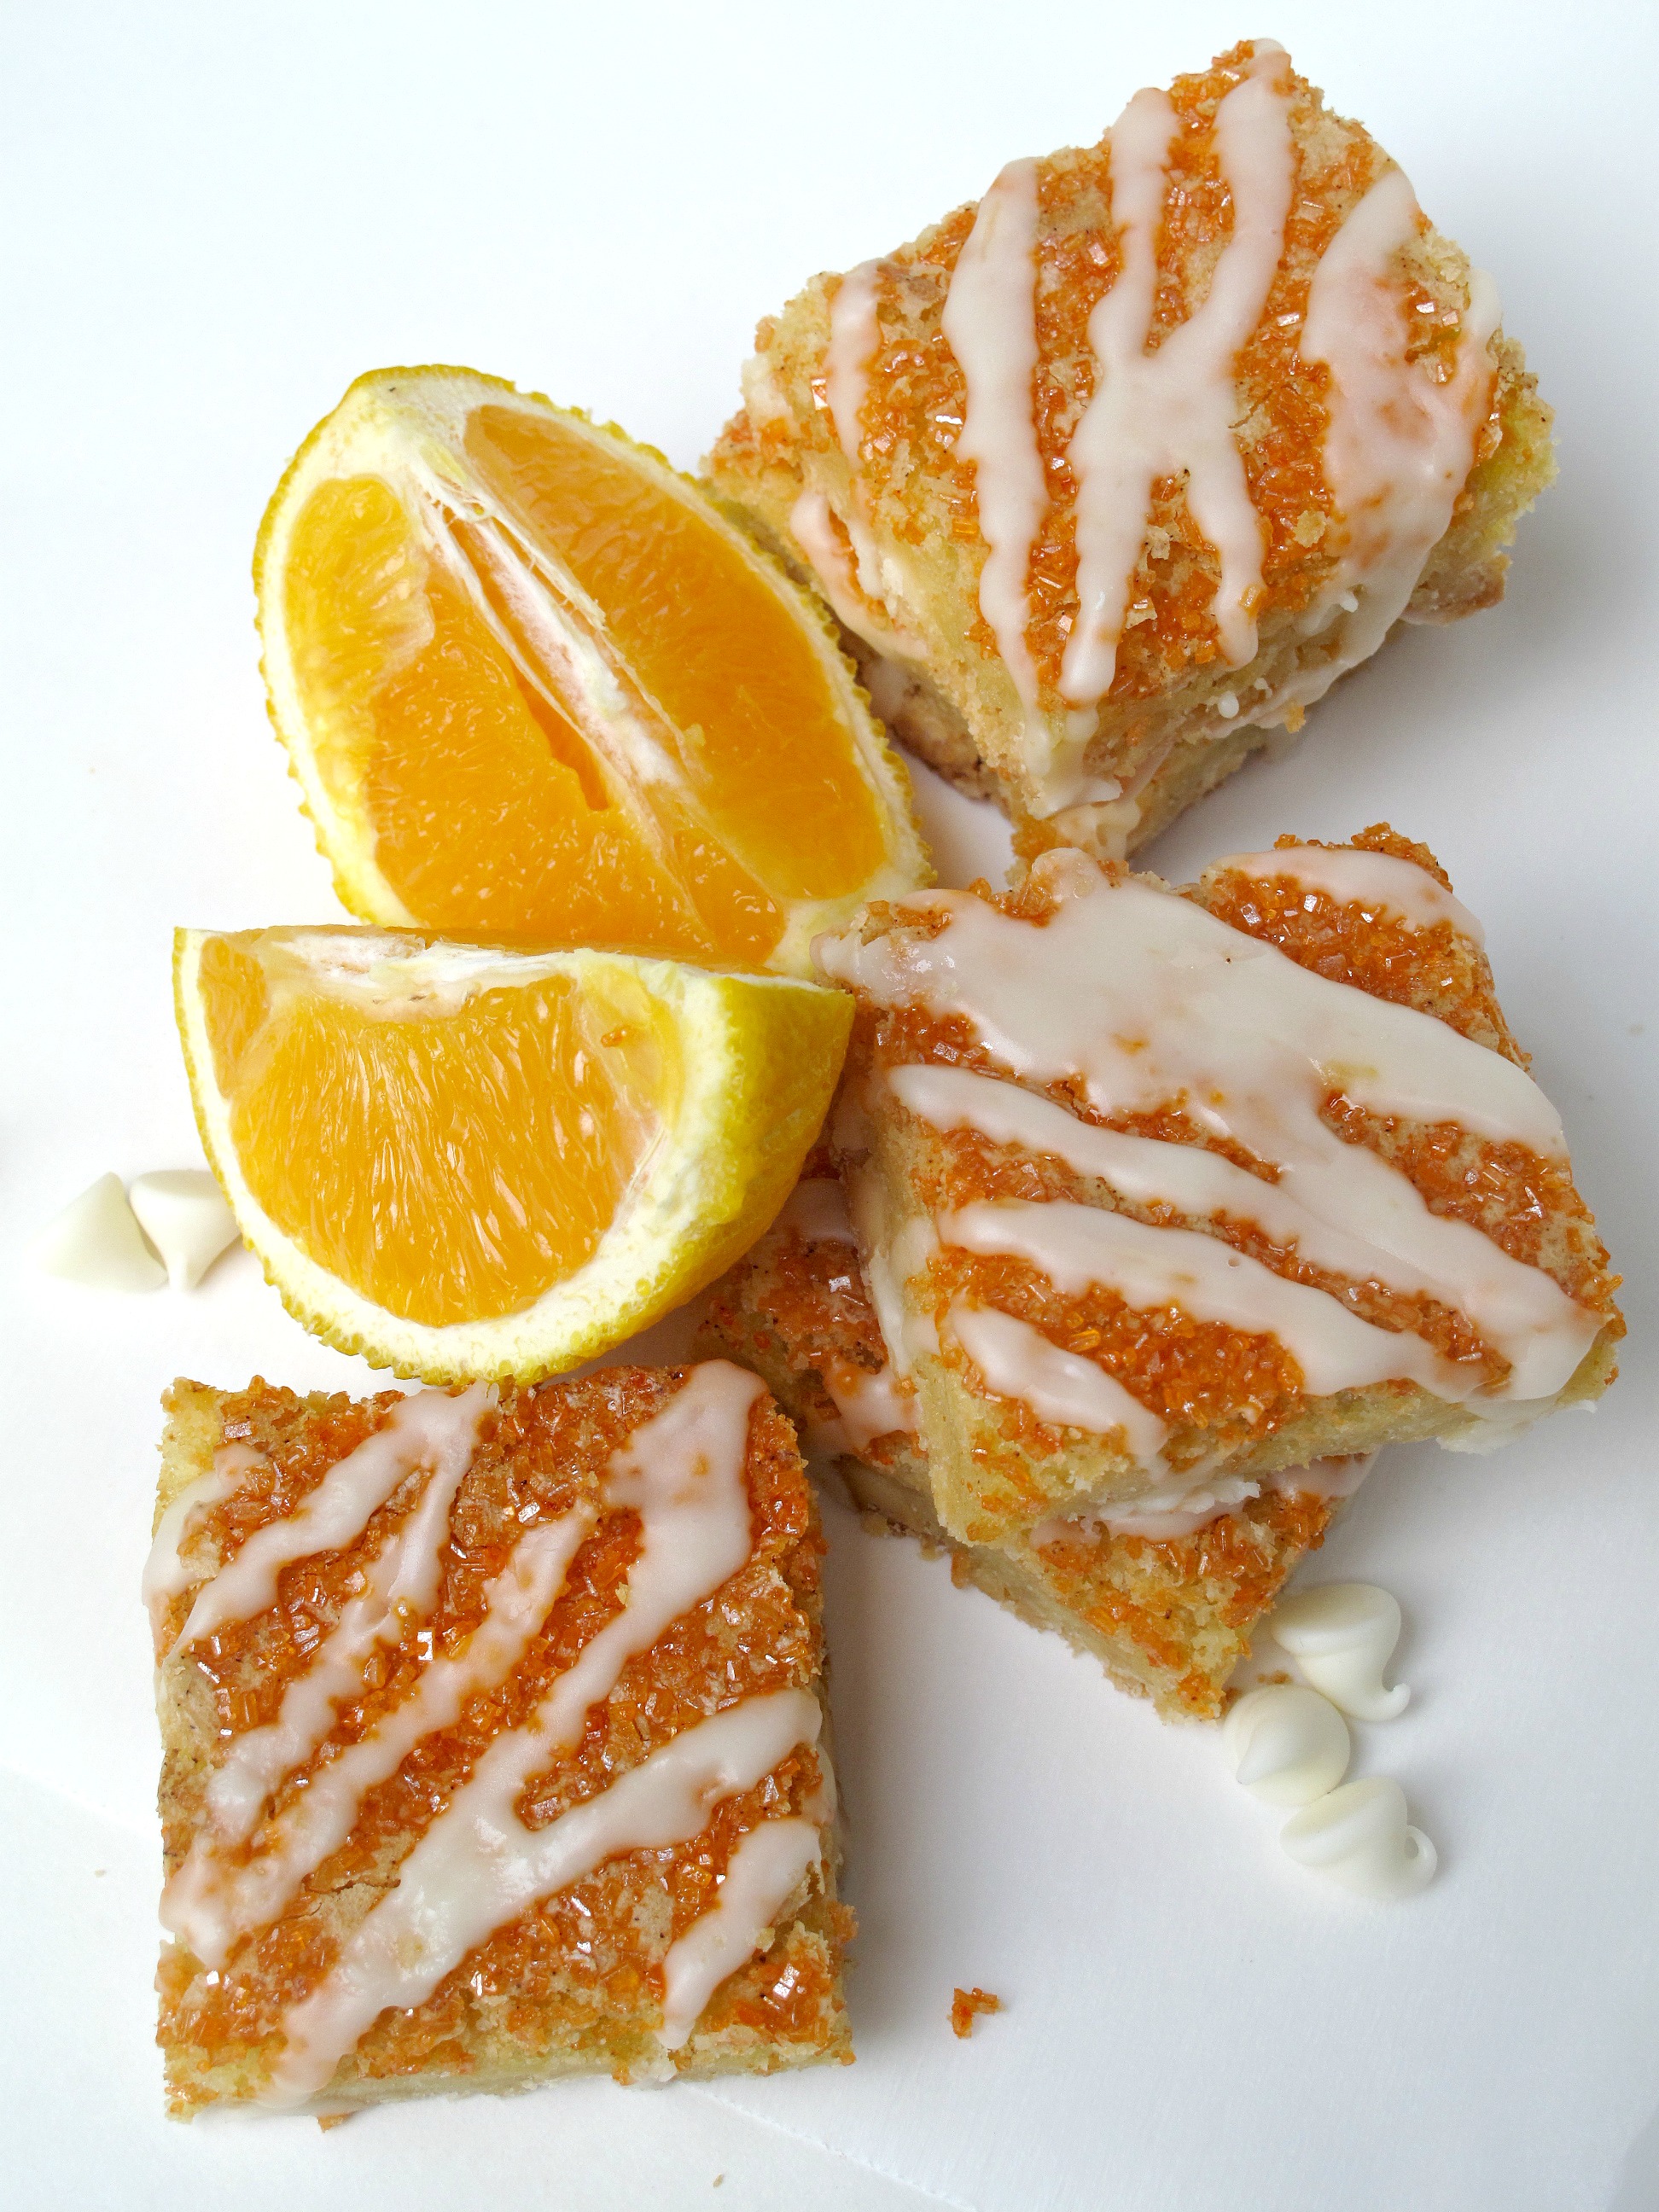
(215, 217)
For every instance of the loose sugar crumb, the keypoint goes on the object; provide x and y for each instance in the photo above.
(966, 2005)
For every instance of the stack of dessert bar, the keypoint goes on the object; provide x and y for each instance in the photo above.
(1168, 1208)
(1108, 477)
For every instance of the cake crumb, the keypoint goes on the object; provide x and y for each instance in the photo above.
(334, 2119)
(966, 2005)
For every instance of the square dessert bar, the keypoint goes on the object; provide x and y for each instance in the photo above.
(1115, 470)
(1160, 1189)
(1165, 1602)
(492, 1730)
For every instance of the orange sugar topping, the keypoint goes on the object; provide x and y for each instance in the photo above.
(966, 2006)
(813, 1310)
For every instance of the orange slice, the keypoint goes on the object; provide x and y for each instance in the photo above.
(472, 1160)
(535, 685)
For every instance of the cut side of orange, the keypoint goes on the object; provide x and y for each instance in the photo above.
(465, 1159)
(536, 685)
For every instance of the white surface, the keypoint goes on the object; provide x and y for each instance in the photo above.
(216, 217)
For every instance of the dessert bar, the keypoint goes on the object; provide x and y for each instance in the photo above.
(1156, 1189)
(493, 1741)
(1114, 472)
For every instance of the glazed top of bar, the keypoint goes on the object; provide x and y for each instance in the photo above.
(1213, 366)
(580, 1620)
(1300, 1059)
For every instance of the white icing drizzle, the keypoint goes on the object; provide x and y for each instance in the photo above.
(1359, 1836)
(1171, 411)
(881, 1278)
(1145, 995)
(1187, 1506)
(1178, 1511)
(867, 1404)
(813, 529)
(1145, 999)
(1501, 1423)
(855, 334)
(889, 1263)
(769, 1864)
(990, 323)
(1348, 1211)
(1341, 1636)
(1077, 1246)
(1017, 1361)
(880, 575)
(811, 524)
(1288, 1746)
(1379, 882)
(211, 1900)
(821, 1802)
(166, 1575)
(682, 1472)
(400, 1587)
(816, 1211)
(870, 1406)
(430, 1429)
(1338, 1477)
(478, 1866)
(1399, 446)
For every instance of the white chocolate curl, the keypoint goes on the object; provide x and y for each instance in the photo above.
(1359, 1836)
(96, 1240)
(183, 1213)
(1288, 1746)
(1342, 1636)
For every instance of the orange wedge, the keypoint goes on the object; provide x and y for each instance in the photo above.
(472, 1160)
(536, 685)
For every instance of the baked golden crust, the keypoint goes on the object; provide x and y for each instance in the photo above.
(1168, 1618)
(574, 1984)
(1232, 1400)
(904, 557)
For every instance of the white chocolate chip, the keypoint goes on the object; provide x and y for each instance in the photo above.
(96, 1240)
(1342, 1636)
(183, 1213)
(1359, 1836)
(1288, 1746)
